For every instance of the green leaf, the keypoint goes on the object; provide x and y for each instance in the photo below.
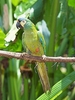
(2, 36)
(22, 7)
(61, 17)
(62, 48)
(71, 3)
(15, 46)
(13, 79)
(15, 2)
(58, 88)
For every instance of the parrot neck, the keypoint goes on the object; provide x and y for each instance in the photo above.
(28, 25)
(29, 34)
(29, 31)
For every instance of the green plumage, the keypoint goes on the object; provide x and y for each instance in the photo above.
(34, 41)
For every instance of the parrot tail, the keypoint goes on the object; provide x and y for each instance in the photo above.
(42, 71)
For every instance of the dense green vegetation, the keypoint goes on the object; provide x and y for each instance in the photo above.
(56, 20)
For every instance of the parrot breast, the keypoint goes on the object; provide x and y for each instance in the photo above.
(31, 41)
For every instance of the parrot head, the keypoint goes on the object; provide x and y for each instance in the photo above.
(20, 23)
(23, 22)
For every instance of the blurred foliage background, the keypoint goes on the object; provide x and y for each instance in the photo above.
(56, 20)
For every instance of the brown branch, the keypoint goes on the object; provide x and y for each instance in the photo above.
(26, 56)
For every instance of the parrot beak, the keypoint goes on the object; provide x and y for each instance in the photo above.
(20, 24)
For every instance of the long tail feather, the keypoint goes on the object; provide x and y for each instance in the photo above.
(42, 71)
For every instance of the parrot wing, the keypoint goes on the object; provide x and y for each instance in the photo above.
(42, 40)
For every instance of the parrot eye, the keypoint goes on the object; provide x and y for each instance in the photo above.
(22, 23)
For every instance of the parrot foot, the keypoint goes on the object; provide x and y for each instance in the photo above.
(44, 56)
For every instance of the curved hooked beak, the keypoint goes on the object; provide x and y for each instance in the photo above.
(18, 25)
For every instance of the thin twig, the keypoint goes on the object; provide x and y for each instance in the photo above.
(29, 57)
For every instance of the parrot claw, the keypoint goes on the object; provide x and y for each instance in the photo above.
(44, 56)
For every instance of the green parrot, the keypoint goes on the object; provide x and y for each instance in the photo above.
(34, 41)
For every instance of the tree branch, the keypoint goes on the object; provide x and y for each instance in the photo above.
(29, 57)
